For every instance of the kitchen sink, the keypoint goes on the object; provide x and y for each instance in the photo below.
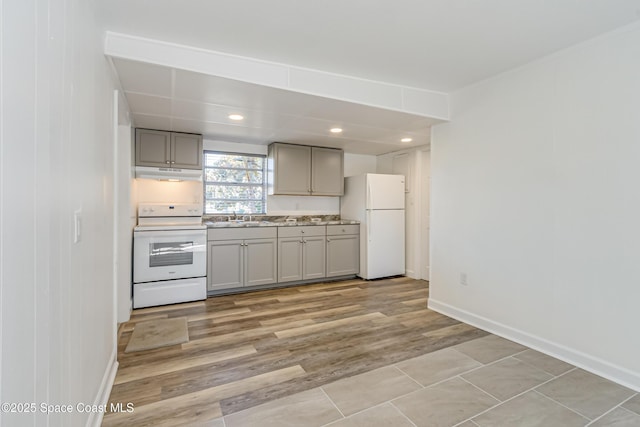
(236, 223)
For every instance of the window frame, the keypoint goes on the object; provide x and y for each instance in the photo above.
(234, 184)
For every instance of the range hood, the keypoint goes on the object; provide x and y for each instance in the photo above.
(169, 173)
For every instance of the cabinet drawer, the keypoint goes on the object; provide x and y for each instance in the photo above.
(242, 233)
(302, 230)
(336, 230)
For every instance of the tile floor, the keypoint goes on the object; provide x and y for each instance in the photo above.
(486, 382)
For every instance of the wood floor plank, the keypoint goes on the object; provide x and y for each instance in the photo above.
(284, 340)
(243, 336)
(317, 314)
(187, 409)
(130, 325)
(224, 372)
(218, 314)
(317, 327)
(140, 393)
(331, 285)
(162, 367)
(417, 301)
(256, 382)
(271, 312)
(168, 308)
(255, 301)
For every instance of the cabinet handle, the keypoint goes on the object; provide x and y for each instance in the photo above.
(167, 162)
(302, 231)
(172, 161)
(328, 240)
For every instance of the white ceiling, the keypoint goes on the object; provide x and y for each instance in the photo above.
(185, 101)
(440, 45)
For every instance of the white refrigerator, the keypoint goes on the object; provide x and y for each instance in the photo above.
(377, 201)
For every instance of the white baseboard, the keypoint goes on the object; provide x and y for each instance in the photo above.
(95, 418)
(582, 360)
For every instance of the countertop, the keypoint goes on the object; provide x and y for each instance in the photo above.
(239, 224)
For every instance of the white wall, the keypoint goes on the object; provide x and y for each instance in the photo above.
(535, 198)
(358, 164)
(155, 191)
(57, 323)
(124, 216)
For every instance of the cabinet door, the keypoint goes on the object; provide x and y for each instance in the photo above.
(289, 259)
(291, 169)
(260, 261)
(327, 172)
(186, 151)
(153, 148)
(343, 255)
(225, 264)
(313, 252)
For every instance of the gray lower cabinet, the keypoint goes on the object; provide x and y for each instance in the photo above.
(236, 260)
(260, 261)
(343, 250)
(301, 253)
(225, 266)
(254, 256)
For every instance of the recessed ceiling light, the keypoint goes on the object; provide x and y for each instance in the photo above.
(336, 130)
(406, 140)
(236, 117)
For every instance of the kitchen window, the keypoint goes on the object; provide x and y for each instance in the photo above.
(234, 183)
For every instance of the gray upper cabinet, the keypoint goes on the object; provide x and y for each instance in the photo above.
(153, 148)
(305, 171)
(289, 169)
(186, 150)
(157, 148)
(327, 172)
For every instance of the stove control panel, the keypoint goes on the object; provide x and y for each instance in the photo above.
(169, 210)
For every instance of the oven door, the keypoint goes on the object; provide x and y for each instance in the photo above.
(166, 255)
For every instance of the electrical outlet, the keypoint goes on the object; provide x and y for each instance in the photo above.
(463, 279)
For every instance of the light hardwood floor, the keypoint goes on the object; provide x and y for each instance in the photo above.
(247, 349)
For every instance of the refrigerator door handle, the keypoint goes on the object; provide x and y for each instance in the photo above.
(369, 204)
(369, 225)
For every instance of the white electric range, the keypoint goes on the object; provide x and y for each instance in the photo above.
(169, 255)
